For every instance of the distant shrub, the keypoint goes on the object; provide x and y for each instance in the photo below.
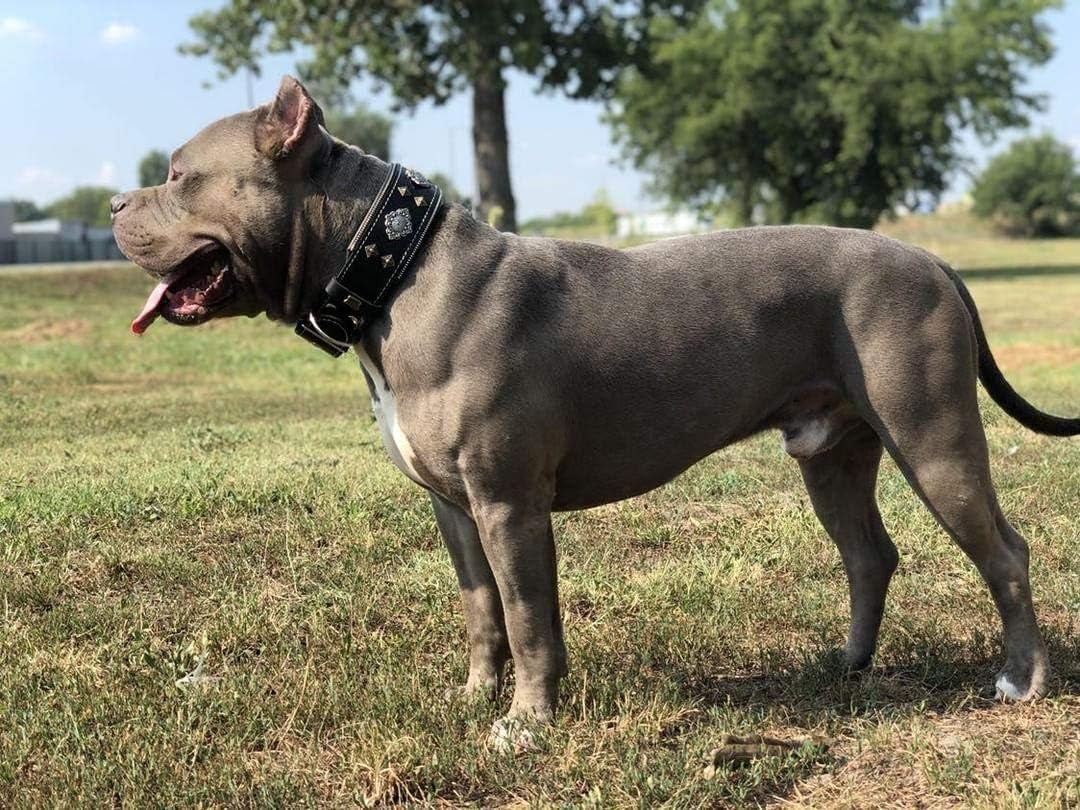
(89, 204)
(1031, 189)
(597, 218)
(153, 168)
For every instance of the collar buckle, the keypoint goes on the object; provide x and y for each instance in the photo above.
(316, 334)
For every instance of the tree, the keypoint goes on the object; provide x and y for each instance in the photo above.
(431, 51)
(153, 168)
(600, 213)
(826, 109)
(357, 125)
(351, 120)
(89, 204)
(449, 190)
(27, 211)
(1032, 189)
(597, 218)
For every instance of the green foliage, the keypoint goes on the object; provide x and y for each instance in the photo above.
(600, 212)
(429, 51)
(595, 219)
(1031, 189)
(351, 120)
(450, 191)
(27, 211)
(153, 168)
(89, 204)
(826, 109)
(360, 126)
(559, 221)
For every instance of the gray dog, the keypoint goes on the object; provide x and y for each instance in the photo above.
(513, 377)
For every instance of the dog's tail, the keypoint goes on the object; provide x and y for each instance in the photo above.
(998, 387)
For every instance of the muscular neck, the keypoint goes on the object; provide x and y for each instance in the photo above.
(339, 193)
(340, 190)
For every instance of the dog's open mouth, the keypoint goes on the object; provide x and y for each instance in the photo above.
(191, 293)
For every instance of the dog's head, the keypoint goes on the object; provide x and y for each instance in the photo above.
(217, 234)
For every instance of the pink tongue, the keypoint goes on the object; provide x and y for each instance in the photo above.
(149, 311)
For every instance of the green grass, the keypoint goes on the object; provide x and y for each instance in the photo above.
(220, 495)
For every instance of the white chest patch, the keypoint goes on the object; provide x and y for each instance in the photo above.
(385, 408)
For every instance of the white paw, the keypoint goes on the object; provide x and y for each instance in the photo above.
(1006, 690)
(510, 735)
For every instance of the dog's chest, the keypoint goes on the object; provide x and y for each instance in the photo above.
(385, 408)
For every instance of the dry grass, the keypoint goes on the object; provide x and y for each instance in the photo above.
(220, 496)
(969, 243)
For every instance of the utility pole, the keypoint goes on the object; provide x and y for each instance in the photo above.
(450, 132)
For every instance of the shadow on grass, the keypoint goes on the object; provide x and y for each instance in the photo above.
(931, 678)
(1013, 273)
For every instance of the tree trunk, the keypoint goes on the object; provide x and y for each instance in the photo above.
(788, 206)
(744, 204)
(744, 194)
(791, 203)
(495, 199)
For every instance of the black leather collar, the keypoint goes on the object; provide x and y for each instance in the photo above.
(377, 259)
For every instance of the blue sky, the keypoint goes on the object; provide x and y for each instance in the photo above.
(92, 86)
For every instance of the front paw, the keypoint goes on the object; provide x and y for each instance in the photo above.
(1017, 686)
(513, 735)
(856, 658)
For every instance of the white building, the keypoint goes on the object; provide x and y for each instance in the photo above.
(661, 223)
(49, 230)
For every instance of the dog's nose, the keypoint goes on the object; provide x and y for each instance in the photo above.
(117, 203)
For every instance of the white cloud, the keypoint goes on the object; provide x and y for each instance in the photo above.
(119, 33)
(16, 28)
(107, 173)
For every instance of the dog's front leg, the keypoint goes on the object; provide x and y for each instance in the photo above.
(519, 544)
(489, 648)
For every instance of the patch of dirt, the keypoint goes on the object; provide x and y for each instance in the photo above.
(73, 329)
(1022, 354)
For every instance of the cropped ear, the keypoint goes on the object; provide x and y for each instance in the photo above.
(289, 122)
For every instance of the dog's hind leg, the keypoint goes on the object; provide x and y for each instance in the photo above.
(489, 649)
(953, 479)
(841, 482)
(922, 401)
